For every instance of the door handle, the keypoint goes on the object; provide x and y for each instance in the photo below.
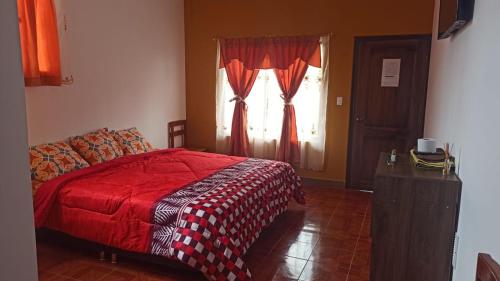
(359, 119)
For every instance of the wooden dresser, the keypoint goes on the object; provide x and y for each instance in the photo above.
(415, 214)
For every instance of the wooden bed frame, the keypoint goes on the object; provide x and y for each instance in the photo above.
(103, 252)
(487, 268)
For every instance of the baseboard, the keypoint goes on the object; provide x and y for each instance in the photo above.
(323, 182)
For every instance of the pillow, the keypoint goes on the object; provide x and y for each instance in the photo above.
(132, 141)
(53, 159)
(35, 185)
(96, 147)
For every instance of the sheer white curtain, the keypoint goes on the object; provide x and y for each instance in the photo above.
(265, 113)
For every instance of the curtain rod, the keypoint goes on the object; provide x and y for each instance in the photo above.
(273, 35)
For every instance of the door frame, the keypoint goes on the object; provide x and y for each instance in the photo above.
(355, 71)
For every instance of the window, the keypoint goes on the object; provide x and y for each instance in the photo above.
(265, 113)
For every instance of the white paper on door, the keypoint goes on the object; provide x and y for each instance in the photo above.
(390, 72)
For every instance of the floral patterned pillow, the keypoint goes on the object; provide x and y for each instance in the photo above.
(96, 147)
(35, 185)
(132, 141)
(53, 159)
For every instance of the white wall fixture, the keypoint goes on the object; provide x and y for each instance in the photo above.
(340, 101)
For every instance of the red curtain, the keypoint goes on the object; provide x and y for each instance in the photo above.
(39, 42)
(290, 58)
(241, 55)
(289, 81)
(290, 76)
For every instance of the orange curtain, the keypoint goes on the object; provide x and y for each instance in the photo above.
(299, 51)
(39, 42)
(289, 57)
(241, 78)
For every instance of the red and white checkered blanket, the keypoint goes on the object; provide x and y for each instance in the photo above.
(210, 224)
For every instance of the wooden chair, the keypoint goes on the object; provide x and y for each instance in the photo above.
(178, 129)
(487, 268)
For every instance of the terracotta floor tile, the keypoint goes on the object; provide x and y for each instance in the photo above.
(82, 270)
(282, 268)
(47, 261)
(301, 235)
(361, 260)
(294, 249)
(366, 228)
(47, 276)
(358, 196)
(364, 245)
(345, 224)
(334, 258)
(314, 271)
(336, 242)
(265, 243)
(344, 208)
(327, 239)
(360, 265)
(313, 221)
(359, 274)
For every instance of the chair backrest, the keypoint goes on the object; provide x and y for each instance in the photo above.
(177, 129)
(487, 268)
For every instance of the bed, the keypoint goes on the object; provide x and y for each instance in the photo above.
(204, 210)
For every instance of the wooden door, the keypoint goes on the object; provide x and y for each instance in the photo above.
(389, 114)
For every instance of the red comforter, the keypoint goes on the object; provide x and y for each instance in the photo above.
(202, 209)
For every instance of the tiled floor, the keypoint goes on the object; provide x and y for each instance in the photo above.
(327, 239)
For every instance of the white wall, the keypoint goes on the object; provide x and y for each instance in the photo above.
(127, 59)
(463, 107)
(17, 236)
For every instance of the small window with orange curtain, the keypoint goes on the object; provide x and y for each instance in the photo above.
(39, 42)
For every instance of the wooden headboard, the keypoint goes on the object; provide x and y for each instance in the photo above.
(487, 268)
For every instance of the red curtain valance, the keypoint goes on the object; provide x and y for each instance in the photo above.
(270, 52)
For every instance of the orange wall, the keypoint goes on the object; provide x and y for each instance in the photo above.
(206, 19)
